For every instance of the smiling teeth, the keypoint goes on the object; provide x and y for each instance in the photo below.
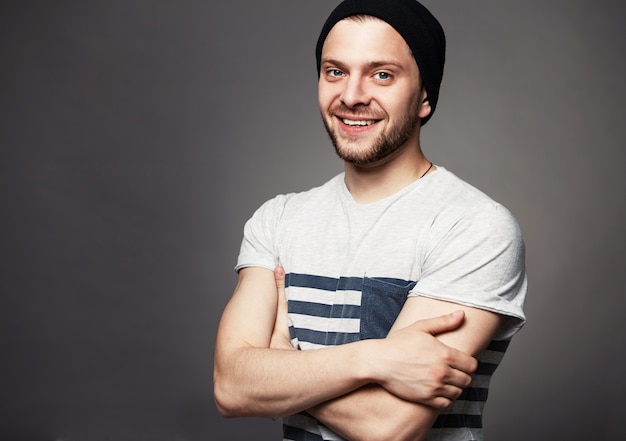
(351, 122)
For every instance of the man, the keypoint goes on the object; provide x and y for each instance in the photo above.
(393, 275)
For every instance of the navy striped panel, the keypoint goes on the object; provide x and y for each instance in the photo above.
(454, 421)
(325, 338)
(393, 281)
(474, 394)
(323, 283)
(498, 345)
(324, 310)
(334, 284)
(299, 434)
(486, 368)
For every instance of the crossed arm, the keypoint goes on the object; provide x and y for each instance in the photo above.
(393, 385)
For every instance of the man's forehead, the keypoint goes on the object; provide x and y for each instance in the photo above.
(369, 34)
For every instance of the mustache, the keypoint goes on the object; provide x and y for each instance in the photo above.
(356, 112)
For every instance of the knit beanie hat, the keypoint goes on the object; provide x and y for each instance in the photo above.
(419, 28)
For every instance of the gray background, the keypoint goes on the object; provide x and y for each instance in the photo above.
(136, 137)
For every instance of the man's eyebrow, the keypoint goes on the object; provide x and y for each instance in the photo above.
(333, 62)
(369, 65)
(384, 63)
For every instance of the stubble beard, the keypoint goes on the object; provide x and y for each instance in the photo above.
(383, 146)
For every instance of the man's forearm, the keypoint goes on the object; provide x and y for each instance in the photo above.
(372, 413)
(265, 382)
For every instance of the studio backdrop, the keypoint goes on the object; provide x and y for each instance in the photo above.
(137, 137)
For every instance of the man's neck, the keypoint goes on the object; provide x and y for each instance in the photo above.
(369, 184)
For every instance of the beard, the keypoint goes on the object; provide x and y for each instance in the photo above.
(384, 145)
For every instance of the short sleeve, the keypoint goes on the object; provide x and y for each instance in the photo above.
(478, 260)
(259, 237)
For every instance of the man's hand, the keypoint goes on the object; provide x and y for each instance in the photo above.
(417, 367)
(280, 334)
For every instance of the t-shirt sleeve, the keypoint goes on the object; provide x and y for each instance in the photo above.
(259, 236)
(479, 261)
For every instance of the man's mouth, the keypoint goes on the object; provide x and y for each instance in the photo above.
(358, 122)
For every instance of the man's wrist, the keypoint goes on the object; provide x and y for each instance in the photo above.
(367, 363)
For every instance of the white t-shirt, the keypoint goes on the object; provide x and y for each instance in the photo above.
(350, 267)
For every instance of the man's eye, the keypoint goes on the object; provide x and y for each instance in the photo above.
(335, 73)
(383, 75)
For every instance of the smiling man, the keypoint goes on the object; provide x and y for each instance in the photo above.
(399, 285)
(373, 104)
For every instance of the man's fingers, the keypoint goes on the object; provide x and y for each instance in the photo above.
(441, 403)
(442, 323)
(452, 388)
(280, 335)
(465, 364)
(279, 276)
(461, 378)
(462, 363)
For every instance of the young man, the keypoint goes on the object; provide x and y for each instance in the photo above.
(393, 275)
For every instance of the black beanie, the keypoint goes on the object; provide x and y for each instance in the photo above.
(419, 28)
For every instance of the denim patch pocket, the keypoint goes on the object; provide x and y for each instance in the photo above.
(381, 302)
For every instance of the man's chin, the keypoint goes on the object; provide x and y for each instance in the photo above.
(359, 158)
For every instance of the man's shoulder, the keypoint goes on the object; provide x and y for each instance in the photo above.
(459, 201)
(456, 193)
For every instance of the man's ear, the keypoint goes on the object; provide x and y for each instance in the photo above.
(425, 108)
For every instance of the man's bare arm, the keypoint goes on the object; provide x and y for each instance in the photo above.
(252, 379)
(374, 413)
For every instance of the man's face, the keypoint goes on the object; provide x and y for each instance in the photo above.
(369, 91)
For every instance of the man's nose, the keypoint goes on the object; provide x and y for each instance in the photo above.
(355, 92)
